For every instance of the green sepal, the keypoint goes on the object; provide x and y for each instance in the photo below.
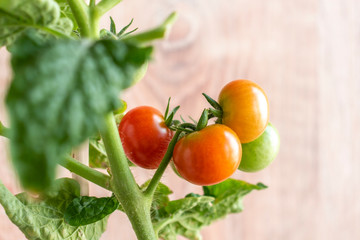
(112, 26)
(122, 33)
(203, 121)
(212, 102)
(169, 120)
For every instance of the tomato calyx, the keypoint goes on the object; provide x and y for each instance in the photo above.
(203, 121)
(216, 111)
(186, 127)
(169, 116)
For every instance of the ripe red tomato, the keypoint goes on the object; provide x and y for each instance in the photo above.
(144, 136)
(245, 109)
(208, 156)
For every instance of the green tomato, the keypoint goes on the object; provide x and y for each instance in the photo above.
(258, 154)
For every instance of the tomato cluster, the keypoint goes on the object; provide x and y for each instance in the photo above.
(241, 137)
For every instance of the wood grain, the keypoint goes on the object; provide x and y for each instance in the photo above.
(306, 56)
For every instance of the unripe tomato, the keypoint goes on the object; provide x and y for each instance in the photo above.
(258, 154)
(208, 156)
(144, 136)
(245, 109)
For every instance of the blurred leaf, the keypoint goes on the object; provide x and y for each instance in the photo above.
(66, 12)
(97, 154)
(44, 16)
(60, 93)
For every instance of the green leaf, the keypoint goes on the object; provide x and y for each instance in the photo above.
(60, 93)
(156, 33)
(184, 217)
(86, 210)
(229, 196)
(189, 215)
(42, 217)
(97, 154)
(16, 16)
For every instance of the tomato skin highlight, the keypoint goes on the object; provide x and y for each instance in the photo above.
(144, 136)
(208, 156)
(245, 109)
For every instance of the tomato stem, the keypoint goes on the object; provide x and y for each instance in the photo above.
(81, 14)
(86, 172)
(134, 202)
(161, 169)
(105, 5)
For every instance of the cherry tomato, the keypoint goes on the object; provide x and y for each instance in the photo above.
(144, 136)
(245, 109)
(258, 154)
(208, 156)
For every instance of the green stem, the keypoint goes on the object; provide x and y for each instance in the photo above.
(105, 5)
(92, 3)
(94, 23)
(135, 204)
(80, 12)
(86, 172)
(161, 169)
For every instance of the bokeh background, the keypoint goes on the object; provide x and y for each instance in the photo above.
(306, 56)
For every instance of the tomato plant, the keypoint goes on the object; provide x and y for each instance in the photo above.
(208, 156)
(66, 81)
(145, 136)
(245, 109)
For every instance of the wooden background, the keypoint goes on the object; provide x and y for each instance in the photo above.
(306, 56)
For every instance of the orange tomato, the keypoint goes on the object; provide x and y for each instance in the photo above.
(208, 156)
(245, 109)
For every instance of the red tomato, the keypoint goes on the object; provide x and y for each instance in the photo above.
(208, 156)
(245, 109)
(144, 136)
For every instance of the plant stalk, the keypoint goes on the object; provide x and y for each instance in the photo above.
(105, 5)
(86, 172)
(81, 154)
(81, 14)
(135, 204)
